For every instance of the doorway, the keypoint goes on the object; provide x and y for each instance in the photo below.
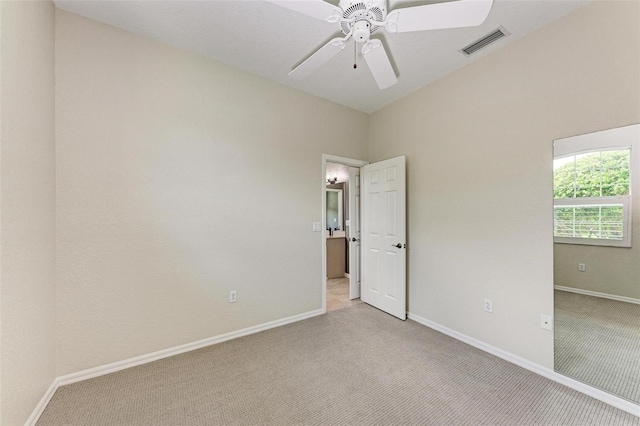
(375, 233)
(340, 223)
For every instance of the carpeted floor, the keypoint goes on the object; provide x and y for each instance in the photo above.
(597, 341)
(353, 366)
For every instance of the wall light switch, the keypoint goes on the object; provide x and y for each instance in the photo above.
(316, 226)
(546, 322)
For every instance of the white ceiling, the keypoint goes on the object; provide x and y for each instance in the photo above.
(268, 40)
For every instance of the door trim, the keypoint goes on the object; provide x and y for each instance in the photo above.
(327, 158)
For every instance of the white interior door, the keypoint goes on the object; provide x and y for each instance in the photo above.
(354, 233)
(383, 225)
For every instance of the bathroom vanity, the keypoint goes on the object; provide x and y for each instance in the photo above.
(336, 254)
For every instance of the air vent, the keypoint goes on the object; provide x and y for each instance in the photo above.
(485, 41)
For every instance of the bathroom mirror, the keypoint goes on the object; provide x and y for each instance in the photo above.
(597, 259)
(334, 209)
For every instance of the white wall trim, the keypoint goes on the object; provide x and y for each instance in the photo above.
(598, 394)
(597, 294)
(154, 356)
(66, 379)
(31, 421)
(165, 353)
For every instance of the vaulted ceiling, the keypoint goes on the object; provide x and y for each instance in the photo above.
(267, 40)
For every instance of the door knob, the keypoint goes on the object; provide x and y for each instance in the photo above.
(354, 239)
(396, 245)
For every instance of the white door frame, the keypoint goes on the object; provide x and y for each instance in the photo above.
(326, 158)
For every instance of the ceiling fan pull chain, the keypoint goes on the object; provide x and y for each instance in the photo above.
(355, 65)
(360, 19)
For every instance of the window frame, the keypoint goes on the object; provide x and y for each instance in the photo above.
(608, 140)
(597, 202)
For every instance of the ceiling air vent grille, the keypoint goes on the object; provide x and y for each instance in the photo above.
(485, 41)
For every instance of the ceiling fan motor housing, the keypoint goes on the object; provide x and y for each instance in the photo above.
(361, 31)
(360, 19)
(362, 11)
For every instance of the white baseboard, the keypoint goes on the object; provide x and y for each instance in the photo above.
(31, 421)
(154, 356)
(143, 359)
(598, 394)
(165, 353)
(597, 294)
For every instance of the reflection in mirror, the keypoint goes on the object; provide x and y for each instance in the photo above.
(334, 209)
(597, 259)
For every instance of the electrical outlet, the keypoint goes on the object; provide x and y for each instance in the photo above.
(582, 267)
(488, 305)
(546, 322)
(233, 296)
(316, 226)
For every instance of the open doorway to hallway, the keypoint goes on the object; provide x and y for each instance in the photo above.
(338, 294)
(341, 242)
(375, 234)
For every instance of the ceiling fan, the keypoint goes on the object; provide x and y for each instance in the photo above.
(360, 19)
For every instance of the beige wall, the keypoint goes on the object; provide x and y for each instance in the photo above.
(27, 202)
(479, 159)
(151, 236)
(610, 270)
(178, 180)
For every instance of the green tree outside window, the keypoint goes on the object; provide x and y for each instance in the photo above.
(591, 175)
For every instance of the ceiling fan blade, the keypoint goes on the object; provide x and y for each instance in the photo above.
(319, 58)
(378, 61)
(454, 14)
(318, 9)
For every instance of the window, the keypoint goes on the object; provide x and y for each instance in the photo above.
(592, 194)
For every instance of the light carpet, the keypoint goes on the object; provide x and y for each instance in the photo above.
(597, 341)
(353, 366)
